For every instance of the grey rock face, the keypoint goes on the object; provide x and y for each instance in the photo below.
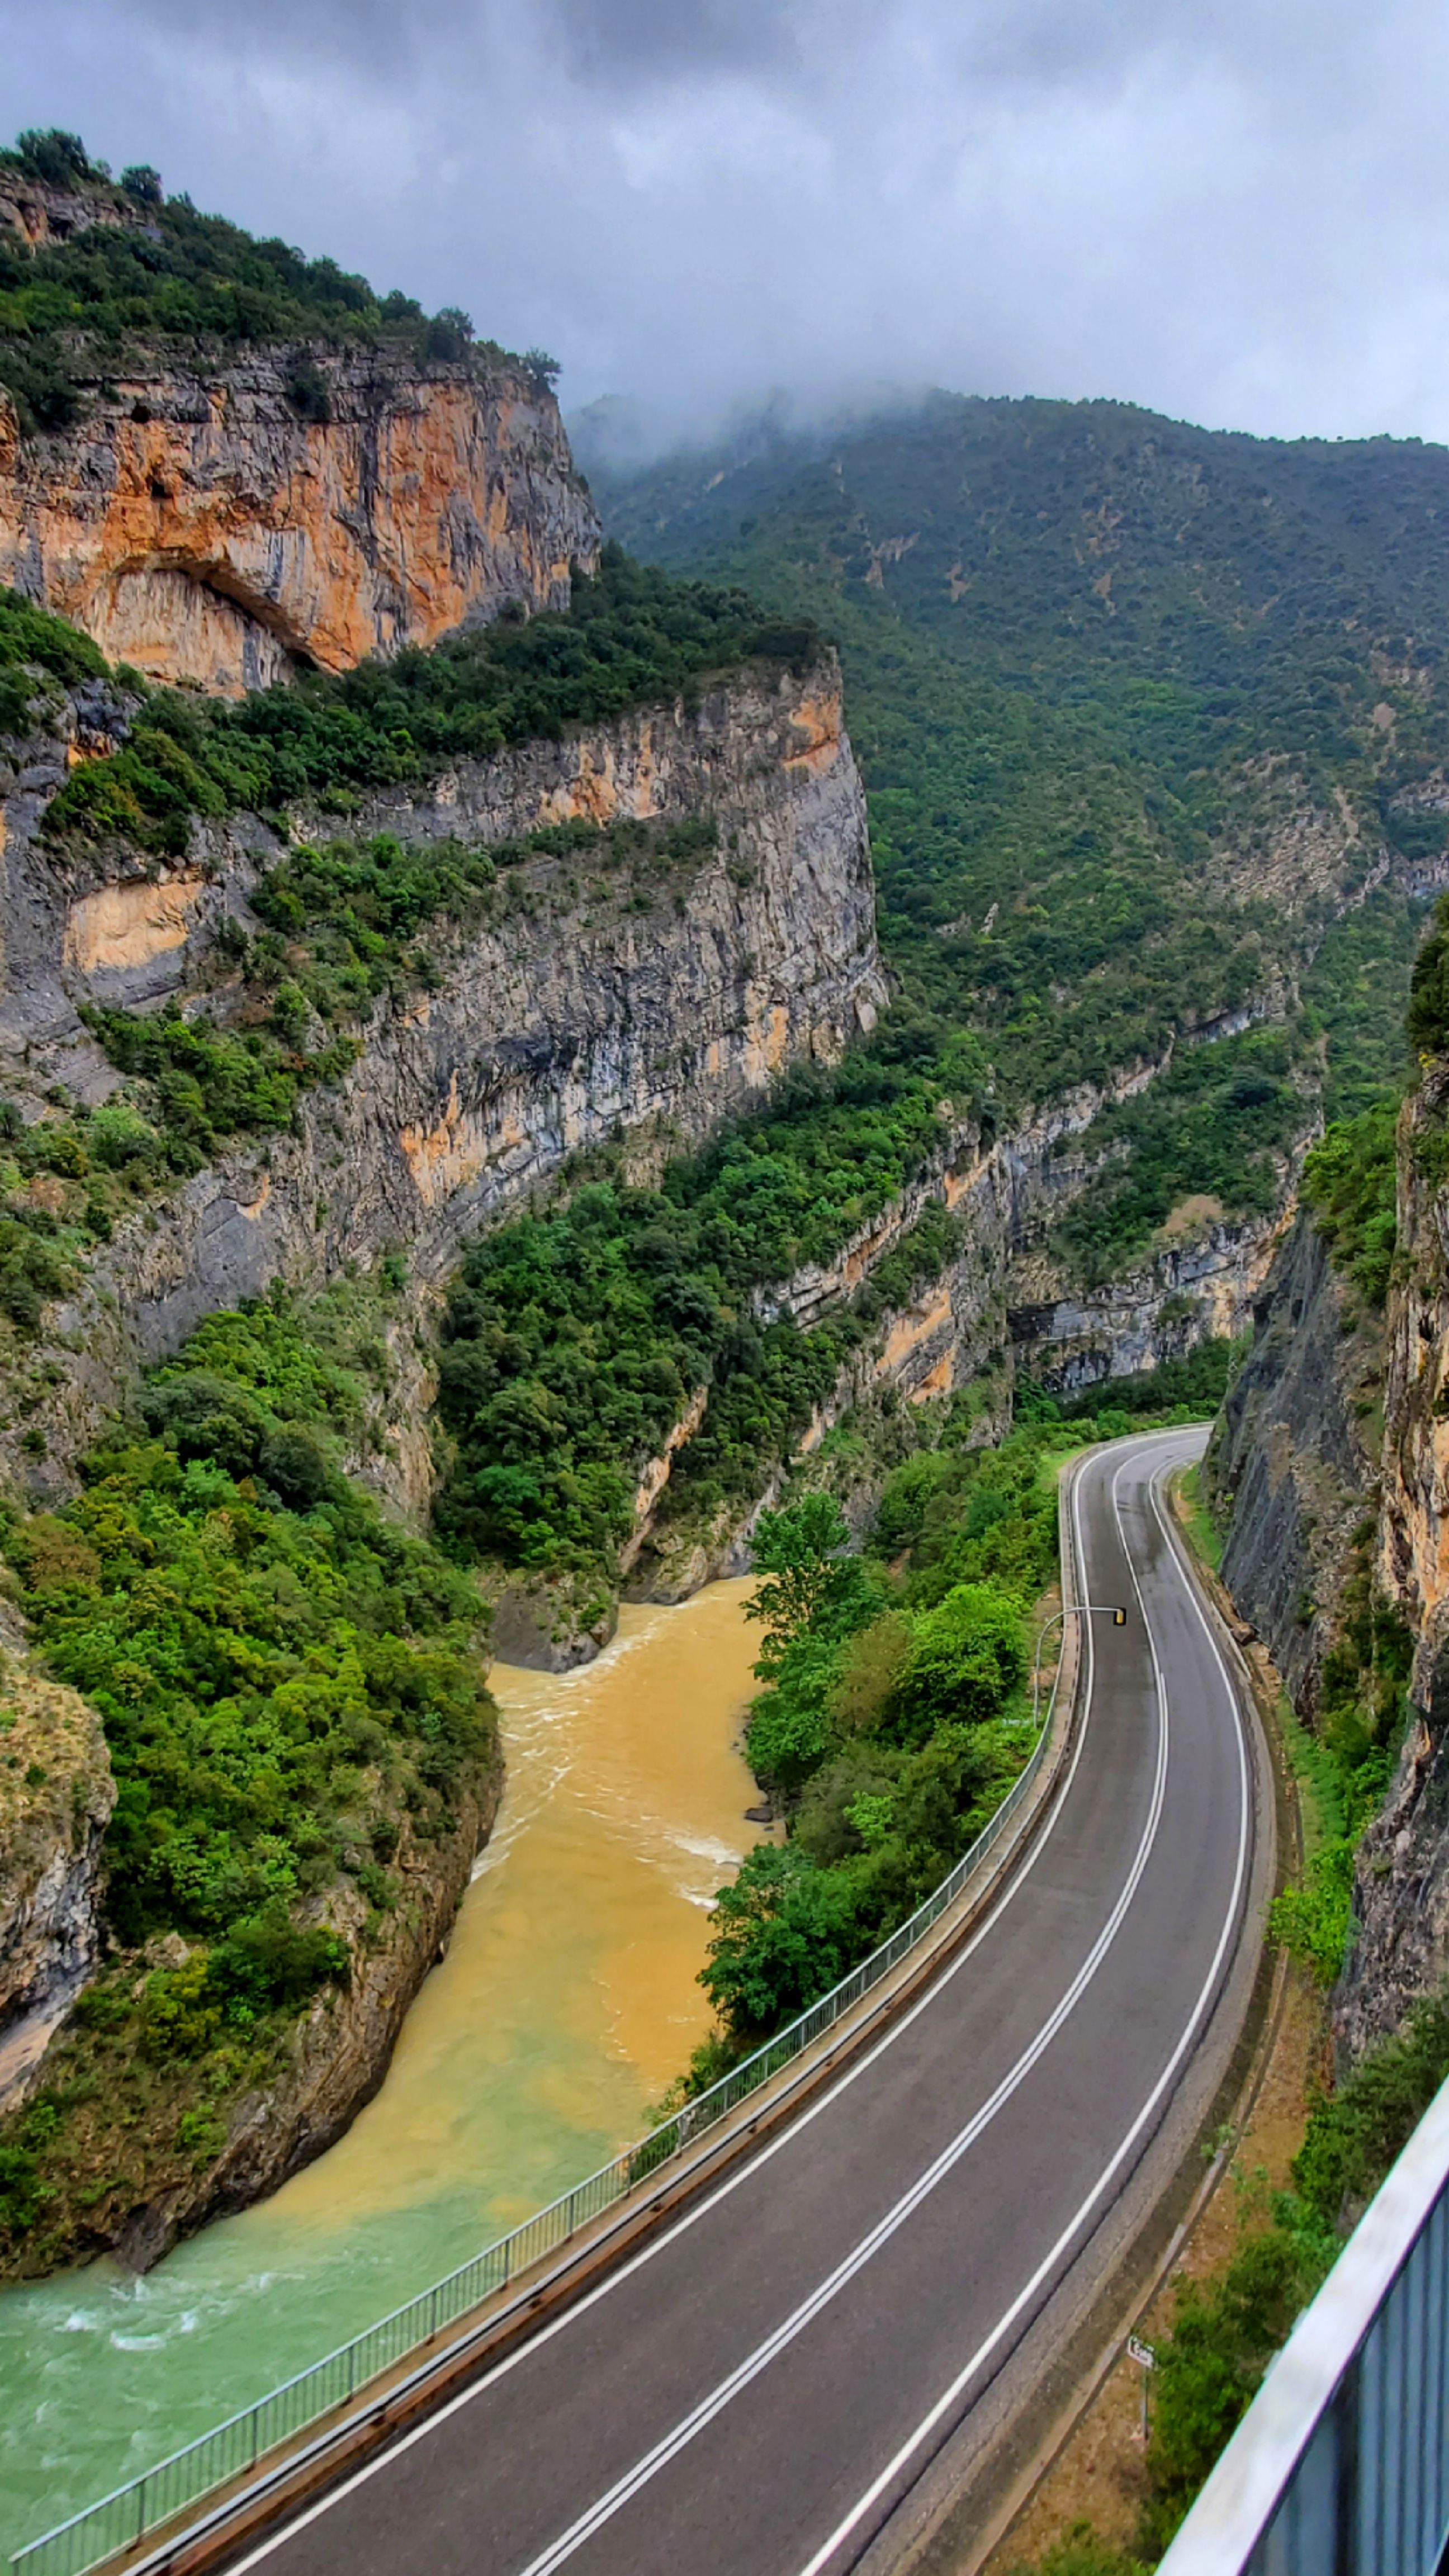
(1400, 1945)
(1193, 1292)
(594, 1004)
(56, 1795)
(1293, 1460)
(1297, 1463)
(1401, 1894)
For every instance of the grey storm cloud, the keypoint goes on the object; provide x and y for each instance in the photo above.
(1238, 212)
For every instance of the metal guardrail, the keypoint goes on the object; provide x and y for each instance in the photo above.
(121, 2519)
(1341, 2465)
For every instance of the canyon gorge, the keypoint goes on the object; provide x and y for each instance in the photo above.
(390, 867)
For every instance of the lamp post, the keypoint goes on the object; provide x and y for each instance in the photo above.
(1112, 1610)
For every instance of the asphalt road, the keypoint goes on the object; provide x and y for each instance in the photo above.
(755, 2391)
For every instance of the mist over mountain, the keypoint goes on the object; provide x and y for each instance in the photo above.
(1233, 216)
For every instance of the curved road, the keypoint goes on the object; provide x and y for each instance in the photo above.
(756, 2392)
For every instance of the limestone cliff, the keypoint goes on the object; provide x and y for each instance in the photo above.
(1331, 1458)
(202, 526)
(1293, 1466)
(56, 1794)
(1202, 1284)
(592, 1004)
(1415, 1532)
(1401, 1899)
(966, 1328)
(168, 2173)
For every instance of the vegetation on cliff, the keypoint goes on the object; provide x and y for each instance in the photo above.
(338, 936)
(1349, 1184)
(149, 269)
(290, 1691)
(1218, 1124)
(1127, 742)
(37, 649)
(1194, 1384)
(573, 1343)
(885, 1723)
(631, 637)
(1429, 990)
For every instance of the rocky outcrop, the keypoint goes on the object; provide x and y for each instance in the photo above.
(1399, 1951)
(598, 998)
(177, 2164)
(1415, 1527)
(1201, 1286)
(227, 522)
(42, 214)
(56, 1795)
(1400, 1948)
(1331, 1459)
(1293, 1465)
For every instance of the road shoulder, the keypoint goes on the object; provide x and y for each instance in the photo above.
(984, 2480)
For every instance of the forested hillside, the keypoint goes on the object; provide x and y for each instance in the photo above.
(1143, 712)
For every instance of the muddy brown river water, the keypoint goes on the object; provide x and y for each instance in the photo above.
(566, 2004)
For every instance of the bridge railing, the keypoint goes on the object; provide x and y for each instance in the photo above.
(121, 2520)
(1341, 2465)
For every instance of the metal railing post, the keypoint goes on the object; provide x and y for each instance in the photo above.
(616, 2175)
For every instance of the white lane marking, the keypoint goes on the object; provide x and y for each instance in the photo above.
(702, 2208)
(684, 2432)
(951, 2396)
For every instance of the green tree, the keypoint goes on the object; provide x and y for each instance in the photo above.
(967, 1657)
(809, 1580)
(1429, 988)
(783, 1933)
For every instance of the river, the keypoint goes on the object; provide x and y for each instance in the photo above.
(566, 2003)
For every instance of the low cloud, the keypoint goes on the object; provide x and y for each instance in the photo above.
(1233, 214)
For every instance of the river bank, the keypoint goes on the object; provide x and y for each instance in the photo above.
(565, 2005)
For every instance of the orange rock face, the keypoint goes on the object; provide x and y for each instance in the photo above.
(200, 529)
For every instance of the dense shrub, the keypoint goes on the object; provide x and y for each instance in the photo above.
(207, 1082)
(259, 1642)
(166, 272)
(631, 637)
(1363, 1707)
(574, 1342)
(1210, 2367)
(1216, 1125)
(877, 1724)
(1429, 988)
(1357, 2132)
(1349, 1182)
(1080, 2553)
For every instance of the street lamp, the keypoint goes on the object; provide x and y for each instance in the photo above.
(1112, 1610)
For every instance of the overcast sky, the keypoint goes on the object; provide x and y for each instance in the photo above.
(1237, 213)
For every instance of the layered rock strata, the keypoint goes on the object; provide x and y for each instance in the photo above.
(1293, 1466)
(1200, 1288)
(1331, 1458)
(962, 1330)
(595, 1002)
(202, 525)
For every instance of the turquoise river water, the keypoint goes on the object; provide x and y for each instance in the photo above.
(566, 2004)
